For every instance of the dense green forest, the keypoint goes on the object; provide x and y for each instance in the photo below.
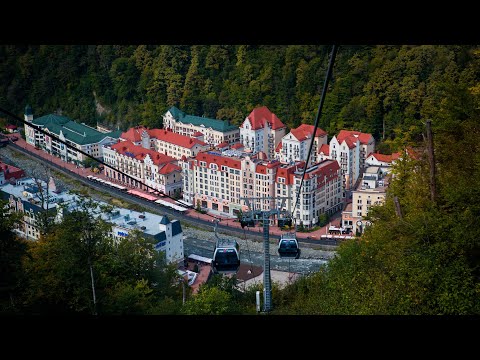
(385, 90)
(75, 259)
(424, 262)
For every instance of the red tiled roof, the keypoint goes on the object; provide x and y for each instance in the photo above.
(327, 171)
(261, 114)
(222, 145)
(288, 172)
(351, 141)
(13, 127)
(169, 168)
(219, 160)
(174, 138)
(363, 137)
(325, 148)
(184, 158)
(305, 131)
(133, 134)
(237, 146)
(273, 164)
(413, 153)
(385, 158)
(197, 133)
(11, 171)
(140, 153)
(279, 147)
(261, 169)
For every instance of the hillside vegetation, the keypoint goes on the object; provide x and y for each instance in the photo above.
(385, 90)
(424, 263)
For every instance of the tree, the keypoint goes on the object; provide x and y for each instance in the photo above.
(209, 301)
(12, 250)
(323, 219)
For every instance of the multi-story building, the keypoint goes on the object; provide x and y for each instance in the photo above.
(214, 131)
(370, 191)
(323, 152)
(165, 142)
(24, 197)
(79, 136)
(367, 144)
(347, 153)
(262, 131)
(217, 182)
(258, 176)
(320, 193)
(295, 145)
(176, 145)
(144, 165)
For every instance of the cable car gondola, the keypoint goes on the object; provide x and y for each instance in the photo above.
(288, 246)
(226, 257)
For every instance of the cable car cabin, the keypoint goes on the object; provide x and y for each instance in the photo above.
(226, 257)
(288, 246)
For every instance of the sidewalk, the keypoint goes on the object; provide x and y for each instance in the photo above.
(225, 220)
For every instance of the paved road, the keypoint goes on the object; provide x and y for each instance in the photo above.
(303, 266)
(157, 208)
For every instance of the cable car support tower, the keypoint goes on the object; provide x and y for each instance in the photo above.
(248, 219)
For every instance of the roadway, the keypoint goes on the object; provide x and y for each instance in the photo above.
(193, 218)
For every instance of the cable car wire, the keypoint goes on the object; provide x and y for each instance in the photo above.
(317, 118)
(53, 136)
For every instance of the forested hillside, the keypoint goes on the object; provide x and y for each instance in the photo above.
(385, 90)
(425, 261)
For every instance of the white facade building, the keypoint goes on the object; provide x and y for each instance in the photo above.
(79, 136)
(214, 131)
(24, 197)
(347, 153)
(262, 131)
(164, 141)
(321, 191)
(157, 170)
(295, 145)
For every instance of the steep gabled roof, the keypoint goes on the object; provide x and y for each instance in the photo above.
(288, 172)
(133, 134)
(305, 131)
(28, 110)
(351, 141)
(260, 115)
(279, 147)
(164, 220)
(364, 138)
(325, 148)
